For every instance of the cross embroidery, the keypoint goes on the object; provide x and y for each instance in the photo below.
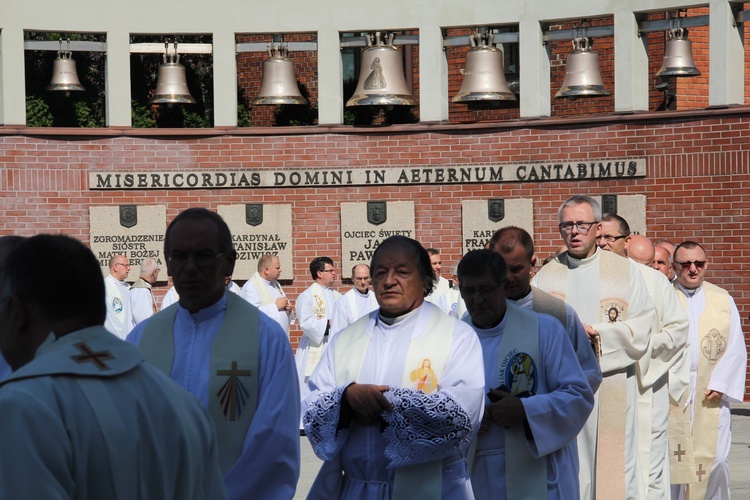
(679, 453)
(700, 472)
(233, 395)
(89, 356)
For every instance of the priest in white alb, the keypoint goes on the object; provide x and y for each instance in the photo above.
(264, 292)
(398, 395)
(355, 303)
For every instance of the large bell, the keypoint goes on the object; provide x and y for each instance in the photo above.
(64, 74)
(582, 78)
(484, 75)
(381, 77)
(279, 84)
(171, 85)
(678, 55)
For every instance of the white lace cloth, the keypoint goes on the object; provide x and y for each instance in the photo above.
(420, 428)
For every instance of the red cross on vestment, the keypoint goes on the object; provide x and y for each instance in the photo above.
(89, 356)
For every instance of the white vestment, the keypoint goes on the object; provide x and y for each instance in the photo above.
(364, 452)
(452, 303)
(169, 298)
(727, 377)
(234, 288)
(555, 413)
(119, 312)
(314, 308)
(669, 335)
(87, 418)
(350, 307)
(577, 335)
(271, 290)
(441, 285)
(142, 302)
(622, 342)
(268, 466)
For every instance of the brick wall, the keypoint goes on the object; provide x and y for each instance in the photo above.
(697, 183)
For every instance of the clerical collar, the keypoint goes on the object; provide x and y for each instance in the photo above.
(690, 292)
(523, 300)
(363, 295)
(574, 262)
(398, 319)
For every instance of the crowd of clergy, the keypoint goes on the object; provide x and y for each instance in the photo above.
(607, 372)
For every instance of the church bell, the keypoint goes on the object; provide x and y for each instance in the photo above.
(64, 74)
(171, 85)
(381, 77)
(678, 55)
(582, 77)
(484, 75)
(279, 83)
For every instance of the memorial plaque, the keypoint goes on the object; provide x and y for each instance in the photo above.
(258, 229)
(481, 218)
(632, 208)
(136, 232)
(365, 225)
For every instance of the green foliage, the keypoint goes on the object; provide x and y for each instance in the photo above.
(243, 108)
(37, 112)
(192, 119)
(84, 116)
(141, 115)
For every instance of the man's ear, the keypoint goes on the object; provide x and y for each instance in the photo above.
(533, 261)
(17, 317)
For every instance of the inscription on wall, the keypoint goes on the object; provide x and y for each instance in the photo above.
(258, 229)
(136, 232)
(233, 178)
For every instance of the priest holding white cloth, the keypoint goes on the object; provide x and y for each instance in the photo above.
(613, 303)
(398, 395)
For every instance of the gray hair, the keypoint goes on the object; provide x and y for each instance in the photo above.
(579, 200)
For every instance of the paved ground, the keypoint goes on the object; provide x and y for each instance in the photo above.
(739, 457)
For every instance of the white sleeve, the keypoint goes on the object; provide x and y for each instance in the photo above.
(728, 376)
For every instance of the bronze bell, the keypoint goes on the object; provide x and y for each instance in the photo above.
(64, 74)
(484, 75)
(279, 83)
(381, 77)
(582, 78)
(678, 55)
(171, 85)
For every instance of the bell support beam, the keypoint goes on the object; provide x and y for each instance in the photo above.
(433, 71)
(535, 71)
(13, 89)
(330, 89)
(727, 68)
(631, 65)
(225, 79)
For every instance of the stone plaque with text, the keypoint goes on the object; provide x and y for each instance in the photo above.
(481, 218)
(135, 231)
(363, 227)
(259, 229)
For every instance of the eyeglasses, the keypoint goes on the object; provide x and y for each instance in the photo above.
(583, 227)
(483, 291)
(609, 238)
(121, 264)
(201, 257)
(327, 271)
(699, 264)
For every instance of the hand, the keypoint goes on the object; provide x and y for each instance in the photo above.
(505, 410)
(591, 332)
(367, 402)
(281, 303)
(288, 306)
(713, 395)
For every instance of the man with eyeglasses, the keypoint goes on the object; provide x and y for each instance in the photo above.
(314, 309)
(718, 362)
(264, 292)
(119, 311)
(357, 302)
(669, 335)
(615, 234)
(593, 282)
(141, 295)
(537, 397)
(235, 360)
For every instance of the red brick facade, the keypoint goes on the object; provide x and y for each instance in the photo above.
(697, 183)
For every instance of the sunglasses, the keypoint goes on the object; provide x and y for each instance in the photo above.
(699, 264)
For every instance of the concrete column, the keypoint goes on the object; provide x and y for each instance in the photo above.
(726, 78)
(117, 79)
(433, 76)
(330, 79)
(225, 79)
(12, 90)
(631, 65)
(535, 71)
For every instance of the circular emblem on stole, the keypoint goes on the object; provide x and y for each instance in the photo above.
(713, 346)
(521, 375)
(612, 310)
(117, 305)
